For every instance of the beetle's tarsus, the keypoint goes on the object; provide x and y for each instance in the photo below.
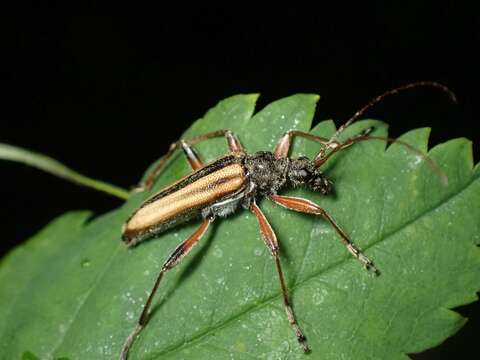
(367, 263)
(304, 345)
(372, 268)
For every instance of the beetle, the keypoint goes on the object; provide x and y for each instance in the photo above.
(236, 181)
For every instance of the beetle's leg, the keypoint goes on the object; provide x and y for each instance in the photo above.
(323, 156)
(188, 150)
(335, 146)
(178, 254)
(309, 207)
(283, 146)
(270, 239)
(192, 155)
(234, 146)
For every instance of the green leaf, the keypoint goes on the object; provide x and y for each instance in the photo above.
(75, 291)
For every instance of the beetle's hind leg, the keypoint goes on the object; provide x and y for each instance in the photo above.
(270, 240)
(309, 207)
(234, 145)
(177, 255)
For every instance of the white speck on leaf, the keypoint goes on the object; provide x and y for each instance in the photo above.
(318, 296)
(217, 252)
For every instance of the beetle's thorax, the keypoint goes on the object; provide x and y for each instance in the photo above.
(266, 173)
(269, 174)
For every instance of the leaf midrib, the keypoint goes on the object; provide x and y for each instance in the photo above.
(177, 347)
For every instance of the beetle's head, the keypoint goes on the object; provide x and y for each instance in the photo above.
(319, 182)
(302, 172)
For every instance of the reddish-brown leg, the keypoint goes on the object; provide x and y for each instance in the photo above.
(270, 239)
(309, 207)
(283, 146)
(330, 146)
(322, 156)
(191, 155)
(335, 146)
(188, 150)
(178, 254)
(234, 146)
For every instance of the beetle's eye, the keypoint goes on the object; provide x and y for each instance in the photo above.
(302, 173)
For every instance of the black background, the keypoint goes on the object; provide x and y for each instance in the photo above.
(107, 95)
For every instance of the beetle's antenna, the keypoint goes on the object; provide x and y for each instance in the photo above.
(335, 146)
(379, 98)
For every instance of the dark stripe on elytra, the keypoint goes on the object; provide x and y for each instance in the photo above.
(186, 214)
(221, 181)
(189, 179)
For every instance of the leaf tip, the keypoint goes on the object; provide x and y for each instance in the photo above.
(253, 97)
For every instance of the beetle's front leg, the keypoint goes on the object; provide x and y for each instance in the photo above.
(285, 142)
(309, 207)
(335, 146)
(329, 146)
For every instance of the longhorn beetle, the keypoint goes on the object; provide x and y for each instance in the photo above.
(235, 181)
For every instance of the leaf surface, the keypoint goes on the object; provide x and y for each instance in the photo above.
(75, 291)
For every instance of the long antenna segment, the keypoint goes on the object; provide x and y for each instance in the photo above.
(379, 98)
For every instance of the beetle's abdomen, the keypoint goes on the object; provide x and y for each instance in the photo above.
(190, 196)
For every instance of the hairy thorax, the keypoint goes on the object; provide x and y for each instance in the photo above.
(267, 173)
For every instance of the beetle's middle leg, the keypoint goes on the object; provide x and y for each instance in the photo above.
(309, 207)
(177, 255)
(234, 145)
(270, 239)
